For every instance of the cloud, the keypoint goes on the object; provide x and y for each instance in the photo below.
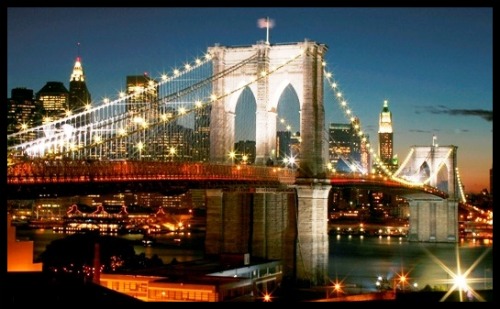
(457, 130)
(422, 131)
(440, 109)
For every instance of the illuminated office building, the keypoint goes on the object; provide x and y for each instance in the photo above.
(347, 150)
(22, 113)
(79, 95)
(385, 139)
(54, 99)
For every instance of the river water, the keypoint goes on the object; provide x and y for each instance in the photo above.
(355, 261)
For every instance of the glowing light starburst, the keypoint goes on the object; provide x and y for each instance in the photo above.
(459, 280)
(337, 287)
(402, 279)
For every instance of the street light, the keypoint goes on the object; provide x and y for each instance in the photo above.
(172, 152)
(140, 146)
(403, 279)
(232, 155)
(337, 288)
(267, 298)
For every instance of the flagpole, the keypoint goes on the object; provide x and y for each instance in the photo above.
(267, 31)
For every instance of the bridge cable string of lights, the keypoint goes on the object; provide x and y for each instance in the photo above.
(179, 93)
(122, 98)
(442, 163)
(416, 173)
(289, 160)
(228, 92)
(351, 163)
(334, 87)
(348, 113)
(89, 111)
(176, 109)
(460, 186)
(99, 140)
(212, 98)
(106, 103)
(415, 177)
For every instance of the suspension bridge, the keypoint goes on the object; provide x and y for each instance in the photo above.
(181, 127)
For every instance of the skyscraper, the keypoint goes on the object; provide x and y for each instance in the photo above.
(245, 152)
(22, 112)
(165, 139)
(365, 159)
(347, 150)
(54, 99)
(340, 135)
(283, 142)
(142, 91)
(79, 95)
(201, 134)
(142, 102)
(385, 138)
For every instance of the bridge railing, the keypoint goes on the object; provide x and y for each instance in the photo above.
(64, 171)
(358, 179)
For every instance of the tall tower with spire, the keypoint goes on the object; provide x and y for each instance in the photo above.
(385, 138)
(79, 95)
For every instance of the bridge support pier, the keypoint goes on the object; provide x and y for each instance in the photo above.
(272, 224)
(271, 228)
(228, 222)
(311, 257)
(255, 222)
(433, 220)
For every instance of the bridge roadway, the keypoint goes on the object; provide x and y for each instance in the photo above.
(29, 179)
(274, 213)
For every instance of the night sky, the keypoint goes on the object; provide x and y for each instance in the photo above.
(433, 65)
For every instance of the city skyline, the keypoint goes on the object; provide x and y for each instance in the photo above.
(433, 64)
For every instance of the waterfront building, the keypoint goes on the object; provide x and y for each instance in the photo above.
(231, 279)
(20, 253)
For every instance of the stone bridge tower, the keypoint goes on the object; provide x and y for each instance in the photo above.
(304, 236)
(433, 219)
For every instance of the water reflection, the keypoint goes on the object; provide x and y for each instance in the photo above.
(360, 262)
(356, 261)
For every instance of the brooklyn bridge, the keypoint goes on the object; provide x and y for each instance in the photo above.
(179, 131)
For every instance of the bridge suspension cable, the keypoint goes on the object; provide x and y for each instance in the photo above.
(123, 127)
(107, 121)
(405, 161)
(460, 186)
(440, 165)
(167, 116)
(79, 129)
(348, 113)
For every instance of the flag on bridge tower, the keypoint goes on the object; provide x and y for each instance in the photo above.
(266, 23)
